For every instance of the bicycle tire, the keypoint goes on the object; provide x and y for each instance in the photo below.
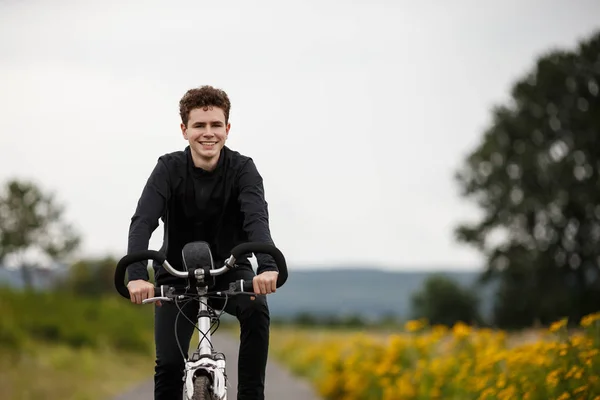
(202, 388)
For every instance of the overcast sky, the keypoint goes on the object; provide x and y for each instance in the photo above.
(356, 114)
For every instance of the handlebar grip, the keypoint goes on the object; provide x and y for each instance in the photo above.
(265, 248)
(129, 259)
(242, 285)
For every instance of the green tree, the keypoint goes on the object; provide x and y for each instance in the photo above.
(32, 227)
(535, 176)
(443, 301)
(90, 277)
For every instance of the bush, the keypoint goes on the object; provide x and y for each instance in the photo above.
(74, 320)
(442, 301)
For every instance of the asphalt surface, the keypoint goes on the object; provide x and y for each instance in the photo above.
(280, 384)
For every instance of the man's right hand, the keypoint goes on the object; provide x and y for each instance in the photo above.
(140, 290)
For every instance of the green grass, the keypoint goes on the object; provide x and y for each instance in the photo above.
(52, 371)
(58, 345)
(103, 322)
(63, 346)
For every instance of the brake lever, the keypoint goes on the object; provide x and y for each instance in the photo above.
(155, 299)
(232, 292)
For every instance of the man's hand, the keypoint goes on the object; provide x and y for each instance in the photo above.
(141, 290)
(265, 282)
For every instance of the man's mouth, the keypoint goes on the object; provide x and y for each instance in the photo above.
(208, 143)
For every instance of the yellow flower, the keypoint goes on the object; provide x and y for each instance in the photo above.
(564, 396)
(414, 325)
(439, 330)
(461, 330)
(580, 389)
(558, 325)
(488, 393)
(590, 319)
(433, 365)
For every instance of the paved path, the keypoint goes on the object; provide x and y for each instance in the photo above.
(280, 384)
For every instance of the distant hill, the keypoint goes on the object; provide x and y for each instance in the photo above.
(371, 293)
(43, 278)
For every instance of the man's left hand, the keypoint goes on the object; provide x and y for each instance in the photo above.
(265, 282)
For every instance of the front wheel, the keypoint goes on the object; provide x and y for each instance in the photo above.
(202, 388)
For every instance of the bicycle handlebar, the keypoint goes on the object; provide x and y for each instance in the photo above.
(133, 258)
(237, 252)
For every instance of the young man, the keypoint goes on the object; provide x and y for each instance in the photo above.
(210, 193)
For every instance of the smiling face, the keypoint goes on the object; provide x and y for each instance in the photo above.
(206, 132)
(205, 125)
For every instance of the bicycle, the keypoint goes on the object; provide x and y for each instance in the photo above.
(205, 376)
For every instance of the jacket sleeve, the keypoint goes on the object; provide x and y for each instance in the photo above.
(150, 208)
(254, 208)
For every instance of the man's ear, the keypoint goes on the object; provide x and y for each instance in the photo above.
(184, 131)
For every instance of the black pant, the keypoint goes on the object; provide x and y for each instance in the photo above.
(253, 316)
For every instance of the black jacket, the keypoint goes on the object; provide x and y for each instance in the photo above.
(224, 207)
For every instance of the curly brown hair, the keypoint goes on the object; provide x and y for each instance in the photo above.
(203, 97)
